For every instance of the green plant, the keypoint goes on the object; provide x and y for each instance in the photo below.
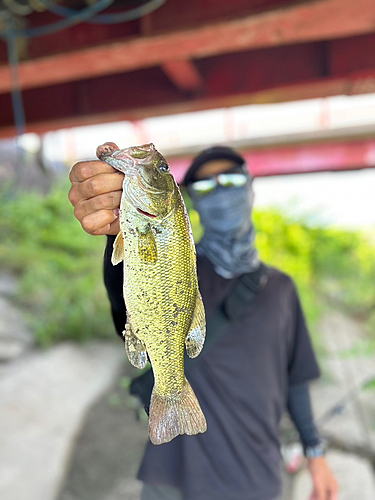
(59, 265)
(61, 284)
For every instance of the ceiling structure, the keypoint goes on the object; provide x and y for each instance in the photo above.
(188, 56)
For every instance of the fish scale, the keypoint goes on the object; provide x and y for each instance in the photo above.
(165, 312)
(166, 277)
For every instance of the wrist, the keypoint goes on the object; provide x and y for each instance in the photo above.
(317, 450)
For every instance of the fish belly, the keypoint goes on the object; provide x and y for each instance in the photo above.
(160, 296)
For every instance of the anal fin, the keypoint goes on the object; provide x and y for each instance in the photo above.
(135, 348)
(195, 338)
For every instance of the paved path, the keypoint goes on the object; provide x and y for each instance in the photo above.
(356, 478)
(44, 398)
(108, 451)
(344, 376)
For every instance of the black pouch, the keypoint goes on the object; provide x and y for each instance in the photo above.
(141, 387)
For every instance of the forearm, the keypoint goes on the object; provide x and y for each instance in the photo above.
(113, 279)
(299, 407)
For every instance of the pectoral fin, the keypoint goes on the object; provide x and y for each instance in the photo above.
(195, 338)
(147, 246)
(135, 348)
(118, 249)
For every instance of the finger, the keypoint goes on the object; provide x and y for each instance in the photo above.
(318, 493)
(96, 221)
(106, 148)
(102, 231)
(106, 201)
(333, 495)
(85, 169)
(95, 186)
(334, 491)
(113, 229)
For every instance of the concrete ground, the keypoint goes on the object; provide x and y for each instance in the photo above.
(44, 397)
(108, 452)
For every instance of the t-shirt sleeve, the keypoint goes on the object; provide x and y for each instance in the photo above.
(302, 362)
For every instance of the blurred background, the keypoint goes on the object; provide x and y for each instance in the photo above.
(291, 85)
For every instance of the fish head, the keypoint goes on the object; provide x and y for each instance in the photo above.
(149, 185)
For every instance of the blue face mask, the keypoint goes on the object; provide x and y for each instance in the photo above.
(228, 240)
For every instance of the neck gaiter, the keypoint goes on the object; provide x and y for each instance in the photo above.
(228, 240)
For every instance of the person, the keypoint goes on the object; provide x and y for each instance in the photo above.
(260, 366)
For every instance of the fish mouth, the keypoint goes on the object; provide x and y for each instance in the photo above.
(145, 213)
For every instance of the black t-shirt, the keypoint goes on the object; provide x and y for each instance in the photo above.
(241, 384)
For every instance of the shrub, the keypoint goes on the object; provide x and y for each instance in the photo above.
(60, 266)
(61, 286)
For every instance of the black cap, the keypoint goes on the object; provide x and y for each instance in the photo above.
(214, 153)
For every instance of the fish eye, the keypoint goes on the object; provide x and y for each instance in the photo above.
(164, 167)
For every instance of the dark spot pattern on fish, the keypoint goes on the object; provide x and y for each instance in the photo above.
(161, 296)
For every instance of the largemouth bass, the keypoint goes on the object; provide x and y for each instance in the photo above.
(165, 312)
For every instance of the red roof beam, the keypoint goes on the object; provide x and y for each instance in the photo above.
(322, 20)
(356, 84)
(183, 74)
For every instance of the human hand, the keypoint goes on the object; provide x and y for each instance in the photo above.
(96, 195)
(325, 486)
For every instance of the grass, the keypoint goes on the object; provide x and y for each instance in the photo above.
(59, 265)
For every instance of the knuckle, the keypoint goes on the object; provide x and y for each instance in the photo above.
(85, 171)
(88, 225)
(75, 171)
(95, 185)
(72, 172)
(78, 212)
(72, 196)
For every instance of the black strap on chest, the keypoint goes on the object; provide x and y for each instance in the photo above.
(231, 310)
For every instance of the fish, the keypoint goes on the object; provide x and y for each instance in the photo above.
(165, 311)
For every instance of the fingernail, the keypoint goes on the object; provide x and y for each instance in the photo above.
(116, 211)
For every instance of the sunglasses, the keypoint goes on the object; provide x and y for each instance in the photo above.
(234, 179)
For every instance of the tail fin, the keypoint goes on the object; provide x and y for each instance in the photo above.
(171, 416)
